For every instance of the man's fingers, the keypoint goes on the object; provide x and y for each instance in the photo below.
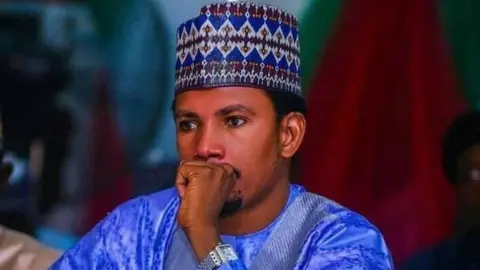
(196, 163)
(181, 182)
(214, 170)
(230, 170)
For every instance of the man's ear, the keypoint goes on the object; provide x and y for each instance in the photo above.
(292, 131)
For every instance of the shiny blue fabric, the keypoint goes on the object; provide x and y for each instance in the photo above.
(137, 235)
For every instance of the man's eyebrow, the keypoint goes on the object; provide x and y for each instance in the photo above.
(179, 113)
(184, 114)
(234, 108)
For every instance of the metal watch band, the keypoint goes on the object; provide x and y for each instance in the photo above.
(208, 264)
(216, 258)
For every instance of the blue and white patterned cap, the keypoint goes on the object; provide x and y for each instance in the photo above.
(239, 44)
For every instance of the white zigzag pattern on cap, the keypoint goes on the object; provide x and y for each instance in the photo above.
(221, 77)
(225, 40)
(226, 48)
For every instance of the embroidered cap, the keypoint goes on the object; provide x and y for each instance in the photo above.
(239, 44)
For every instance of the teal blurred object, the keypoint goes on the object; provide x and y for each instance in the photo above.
(137, 47)
(461, 23)
(55, 239)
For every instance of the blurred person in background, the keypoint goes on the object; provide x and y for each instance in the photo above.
(461, 163)
(36, 132)
(19, 251)
(240, 119)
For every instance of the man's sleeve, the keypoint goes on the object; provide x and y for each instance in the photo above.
(112, 243)
(91, 251)
(349, 242)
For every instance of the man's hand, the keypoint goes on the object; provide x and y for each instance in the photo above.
(203, 187)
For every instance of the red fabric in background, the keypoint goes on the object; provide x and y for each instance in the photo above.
(382, 98)
(111, 174)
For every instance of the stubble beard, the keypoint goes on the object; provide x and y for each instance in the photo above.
(232, 205)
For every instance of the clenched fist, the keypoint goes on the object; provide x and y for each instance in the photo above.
(204, 188)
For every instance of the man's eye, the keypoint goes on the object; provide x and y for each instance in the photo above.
(235, 121)
(187, 125)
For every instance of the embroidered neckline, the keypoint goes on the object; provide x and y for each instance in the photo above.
(295, 190)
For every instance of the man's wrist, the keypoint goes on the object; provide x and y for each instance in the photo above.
(222, 257)
(203, 240)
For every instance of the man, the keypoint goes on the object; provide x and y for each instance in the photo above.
(240, 120)
(461, 162)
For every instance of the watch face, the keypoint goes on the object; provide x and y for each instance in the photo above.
(227, 253)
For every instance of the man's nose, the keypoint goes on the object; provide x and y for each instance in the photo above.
(209, 146)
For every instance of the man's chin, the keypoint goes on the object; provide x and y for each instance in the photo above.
(232, 206)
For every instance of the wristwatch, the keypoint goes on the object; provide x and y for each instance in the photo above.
(220, 255)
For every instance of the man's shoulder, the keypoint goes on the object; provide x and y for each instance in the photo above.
(346, 238)
(132, 230)
(343, 225)
(149, 207)
(154, 202)
(335, 213)
(141, 214)
(159, 199)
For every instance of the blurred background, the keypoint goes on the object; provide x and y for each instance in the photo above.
(86, 88)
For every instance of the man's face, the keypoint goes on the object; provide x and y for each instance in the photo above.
(233, 125)
(468, 187)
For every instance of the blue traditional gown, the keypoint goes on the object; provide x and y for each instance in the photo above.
(139, 233)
